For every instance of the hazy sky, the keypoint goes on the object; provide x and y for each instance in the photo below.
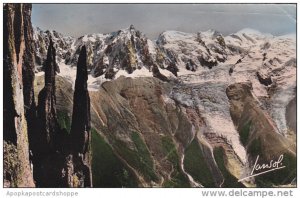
(152, 19)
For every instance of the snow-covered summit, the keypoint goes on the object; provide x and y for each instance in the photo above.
(243, 56)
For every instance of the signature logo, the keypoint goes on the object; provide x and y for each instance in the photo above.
(259, 169)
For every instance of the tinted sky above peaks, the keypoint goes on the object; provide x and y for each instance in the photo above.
(152, 19)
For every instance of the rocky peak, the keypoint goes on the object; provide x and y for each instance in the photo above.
(42, 40)
(213, 33)
(126, 49)
(51, 67)
(188, 51)
(132, 28)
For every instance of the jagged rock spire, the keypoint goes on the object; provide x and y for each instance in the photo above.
(132, 27)
(51, 68)
(80, 129)
(47, 100)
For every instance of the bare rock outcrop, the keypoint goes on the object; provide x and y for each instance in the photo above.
(265, 80)
(17, 170)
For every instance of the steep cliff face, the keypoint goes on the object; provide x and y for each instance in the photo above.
(17, 171)
(28, 61)
(28, 75)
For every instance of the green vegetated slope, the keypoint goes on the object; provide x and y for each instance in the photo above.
(108, 170)
(258, 133)
(64, 120)
(263, 141)
(143, 130)
(245, 132)
(278, 177)
(177, 179)
(152, 151)
(229, 180)
(195, 164)
(140, 158)
(281, 176)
